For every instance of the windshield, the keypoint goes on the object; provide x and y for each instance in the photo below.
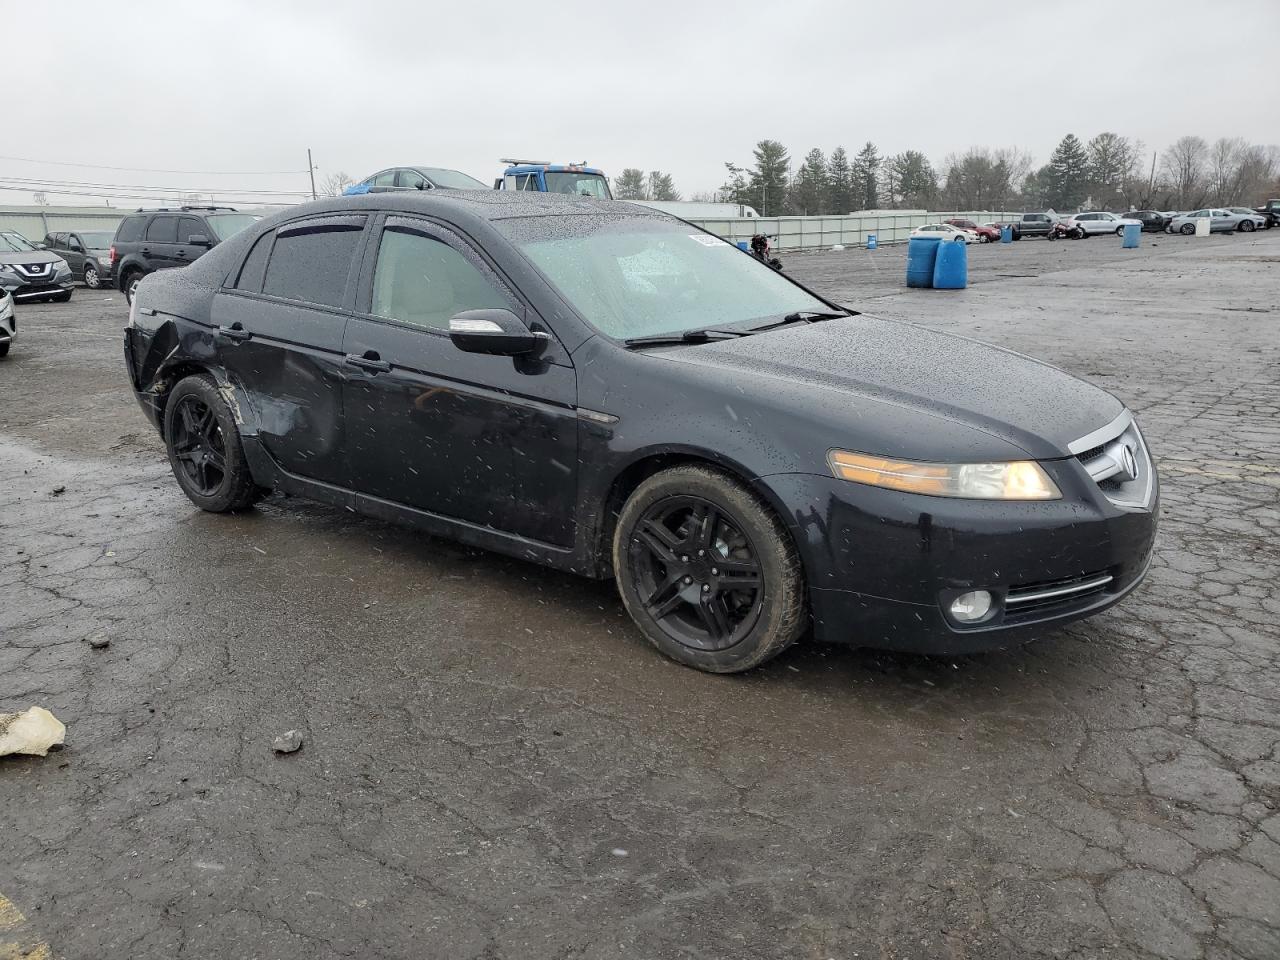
(577, 184)
(635, 277)
(97, 239)
(229, 224)
(452, 179)
(12, 243)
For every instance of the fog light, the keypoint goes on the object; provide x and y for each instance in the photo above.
(971, 607)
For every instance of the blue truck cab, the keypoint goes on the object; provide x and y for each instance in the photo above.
(575, 179)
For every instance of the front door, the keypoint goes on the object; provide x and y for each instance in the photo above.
(488, 440)
(279, 331)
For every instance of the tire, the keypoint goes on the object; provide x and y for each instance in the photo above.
(1119, 231)
(129, 283)
(4, 348)
(1187, 229)
(92, 279)
(1247, 226)
(204, 448)
(61, 297)
(678, 536)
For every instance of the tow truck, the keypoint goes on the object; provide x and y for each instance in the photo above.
(575, 179)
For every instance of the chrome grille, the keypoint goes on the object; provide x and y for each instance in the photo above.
(1117, 459)
(1031, 601)
(33, 269)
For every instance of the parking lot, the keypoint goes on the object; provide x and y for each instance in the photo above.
(496, 764)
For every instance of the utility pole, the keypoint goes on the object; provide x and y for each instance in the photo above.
(311, 169)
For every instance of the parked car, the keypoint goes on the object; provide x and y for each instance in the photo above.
(1270, 210)
(1153, 221)
(1031, 225)
(8, 322)
(1255, 220)
(87, 252)
(945, 231)
(28, 273)
(1094, 223)
(414, 178)
(151, 240)
(1220, 221)
(566, 380)
(986, 234)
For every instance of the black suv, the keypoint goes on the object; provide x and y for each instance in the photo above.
(151, 240)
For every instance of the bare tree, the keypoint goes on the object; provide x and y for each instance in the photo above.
(41, 198)
(335, 183)
(1183, 164)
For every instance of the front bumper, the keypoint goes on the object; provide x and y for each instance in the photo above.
(881, 565)
(22, 289)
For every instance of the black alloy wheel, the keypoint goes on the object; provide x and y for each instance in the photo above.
(1188, 229)
(199, 446)
(1247, 226)
(697, 573)
(708, 571)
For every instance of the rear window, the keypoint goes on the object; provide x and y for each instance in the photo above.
(130, 229)
(163, 230)
(311, 263)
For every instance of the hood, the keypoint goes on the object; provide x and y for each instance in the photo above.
(31, 256)
(957, 382)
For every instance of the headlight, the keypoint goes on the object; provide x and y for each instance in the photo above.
(1015, 480)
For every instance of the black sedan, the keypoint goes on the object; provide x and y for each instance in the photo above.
(611, 391)
(1153, 221)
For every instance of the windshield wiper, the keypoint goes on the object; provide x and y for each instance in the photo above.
(802, 316)
(687, 336)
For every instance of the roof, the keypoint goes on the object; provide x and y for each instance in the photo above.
(481, 204)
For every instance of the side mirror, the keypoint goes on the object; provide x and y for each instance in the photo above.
(40, 245)
(497, 332)
(198, 240)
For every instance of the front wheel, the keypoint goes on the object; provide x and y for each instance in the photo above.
(4, 349)
(130, 284)
(204, 448)
(707, 571)
(1119, 231)
(1188, 229)
(1247, 226)
(92, 279)
(61, 297)
(984, 239)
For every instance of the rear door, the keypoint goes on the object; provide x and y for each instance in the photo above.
(488, 440)
(160, 242)
(280, 324)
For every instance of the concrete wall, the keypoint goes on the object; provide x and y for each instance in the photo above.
(814, 233)
(34, 222)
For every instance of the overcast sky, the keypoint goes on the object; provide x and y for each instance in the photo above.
(228, 85)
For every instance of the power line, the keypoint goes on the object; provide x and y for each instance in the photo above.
(212, 173)
(40, 181)
(223, 196)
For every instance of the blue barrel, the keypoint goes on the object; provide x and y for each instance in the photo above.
(1132, 233)
(922, 253)
(1006, 234)
(871, 241)
(951, 270)
(744, 246)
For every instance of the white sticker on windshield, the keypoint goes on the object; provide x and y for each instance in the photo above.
(707, 240)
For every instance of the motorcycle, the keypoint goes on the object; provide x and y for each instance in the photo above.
(760, 249)
(1060, 230)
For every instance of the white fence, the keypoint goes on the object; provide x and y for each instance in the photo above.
(815, 233)
(35, 223)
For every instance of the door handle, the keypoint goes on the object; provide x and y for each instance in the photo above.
(369, 361)
(234, 332)
(146, 251)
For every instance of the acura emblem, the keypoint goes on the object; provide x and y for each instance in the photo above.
(1128, 463)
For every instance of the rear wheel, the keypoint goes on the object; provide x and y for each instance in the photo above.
(707, 571)
(92, 279)
(204, 448)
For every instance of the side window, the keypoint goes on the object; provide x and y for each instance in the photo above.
(413, 180)
(255, 264)
(71, 241)
(130, 229)
(163, 230)
(311, 261)
(188, 227)
(426, 282)
(526, 181)
(385, 179)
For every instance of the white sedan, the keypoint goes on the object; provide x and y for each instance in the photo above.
(1095, 223)
(945, 231)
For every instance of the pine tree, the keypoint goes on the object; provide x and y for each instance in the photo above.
(630, 185)
(839, 183)
(866, 171)
(915, 184)
(809, 193)
(768, 178)
(1068, 174)
(662, 187)
(735, 188)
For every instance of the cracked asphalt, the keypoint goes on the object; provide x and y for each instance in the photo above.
(496, 765)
